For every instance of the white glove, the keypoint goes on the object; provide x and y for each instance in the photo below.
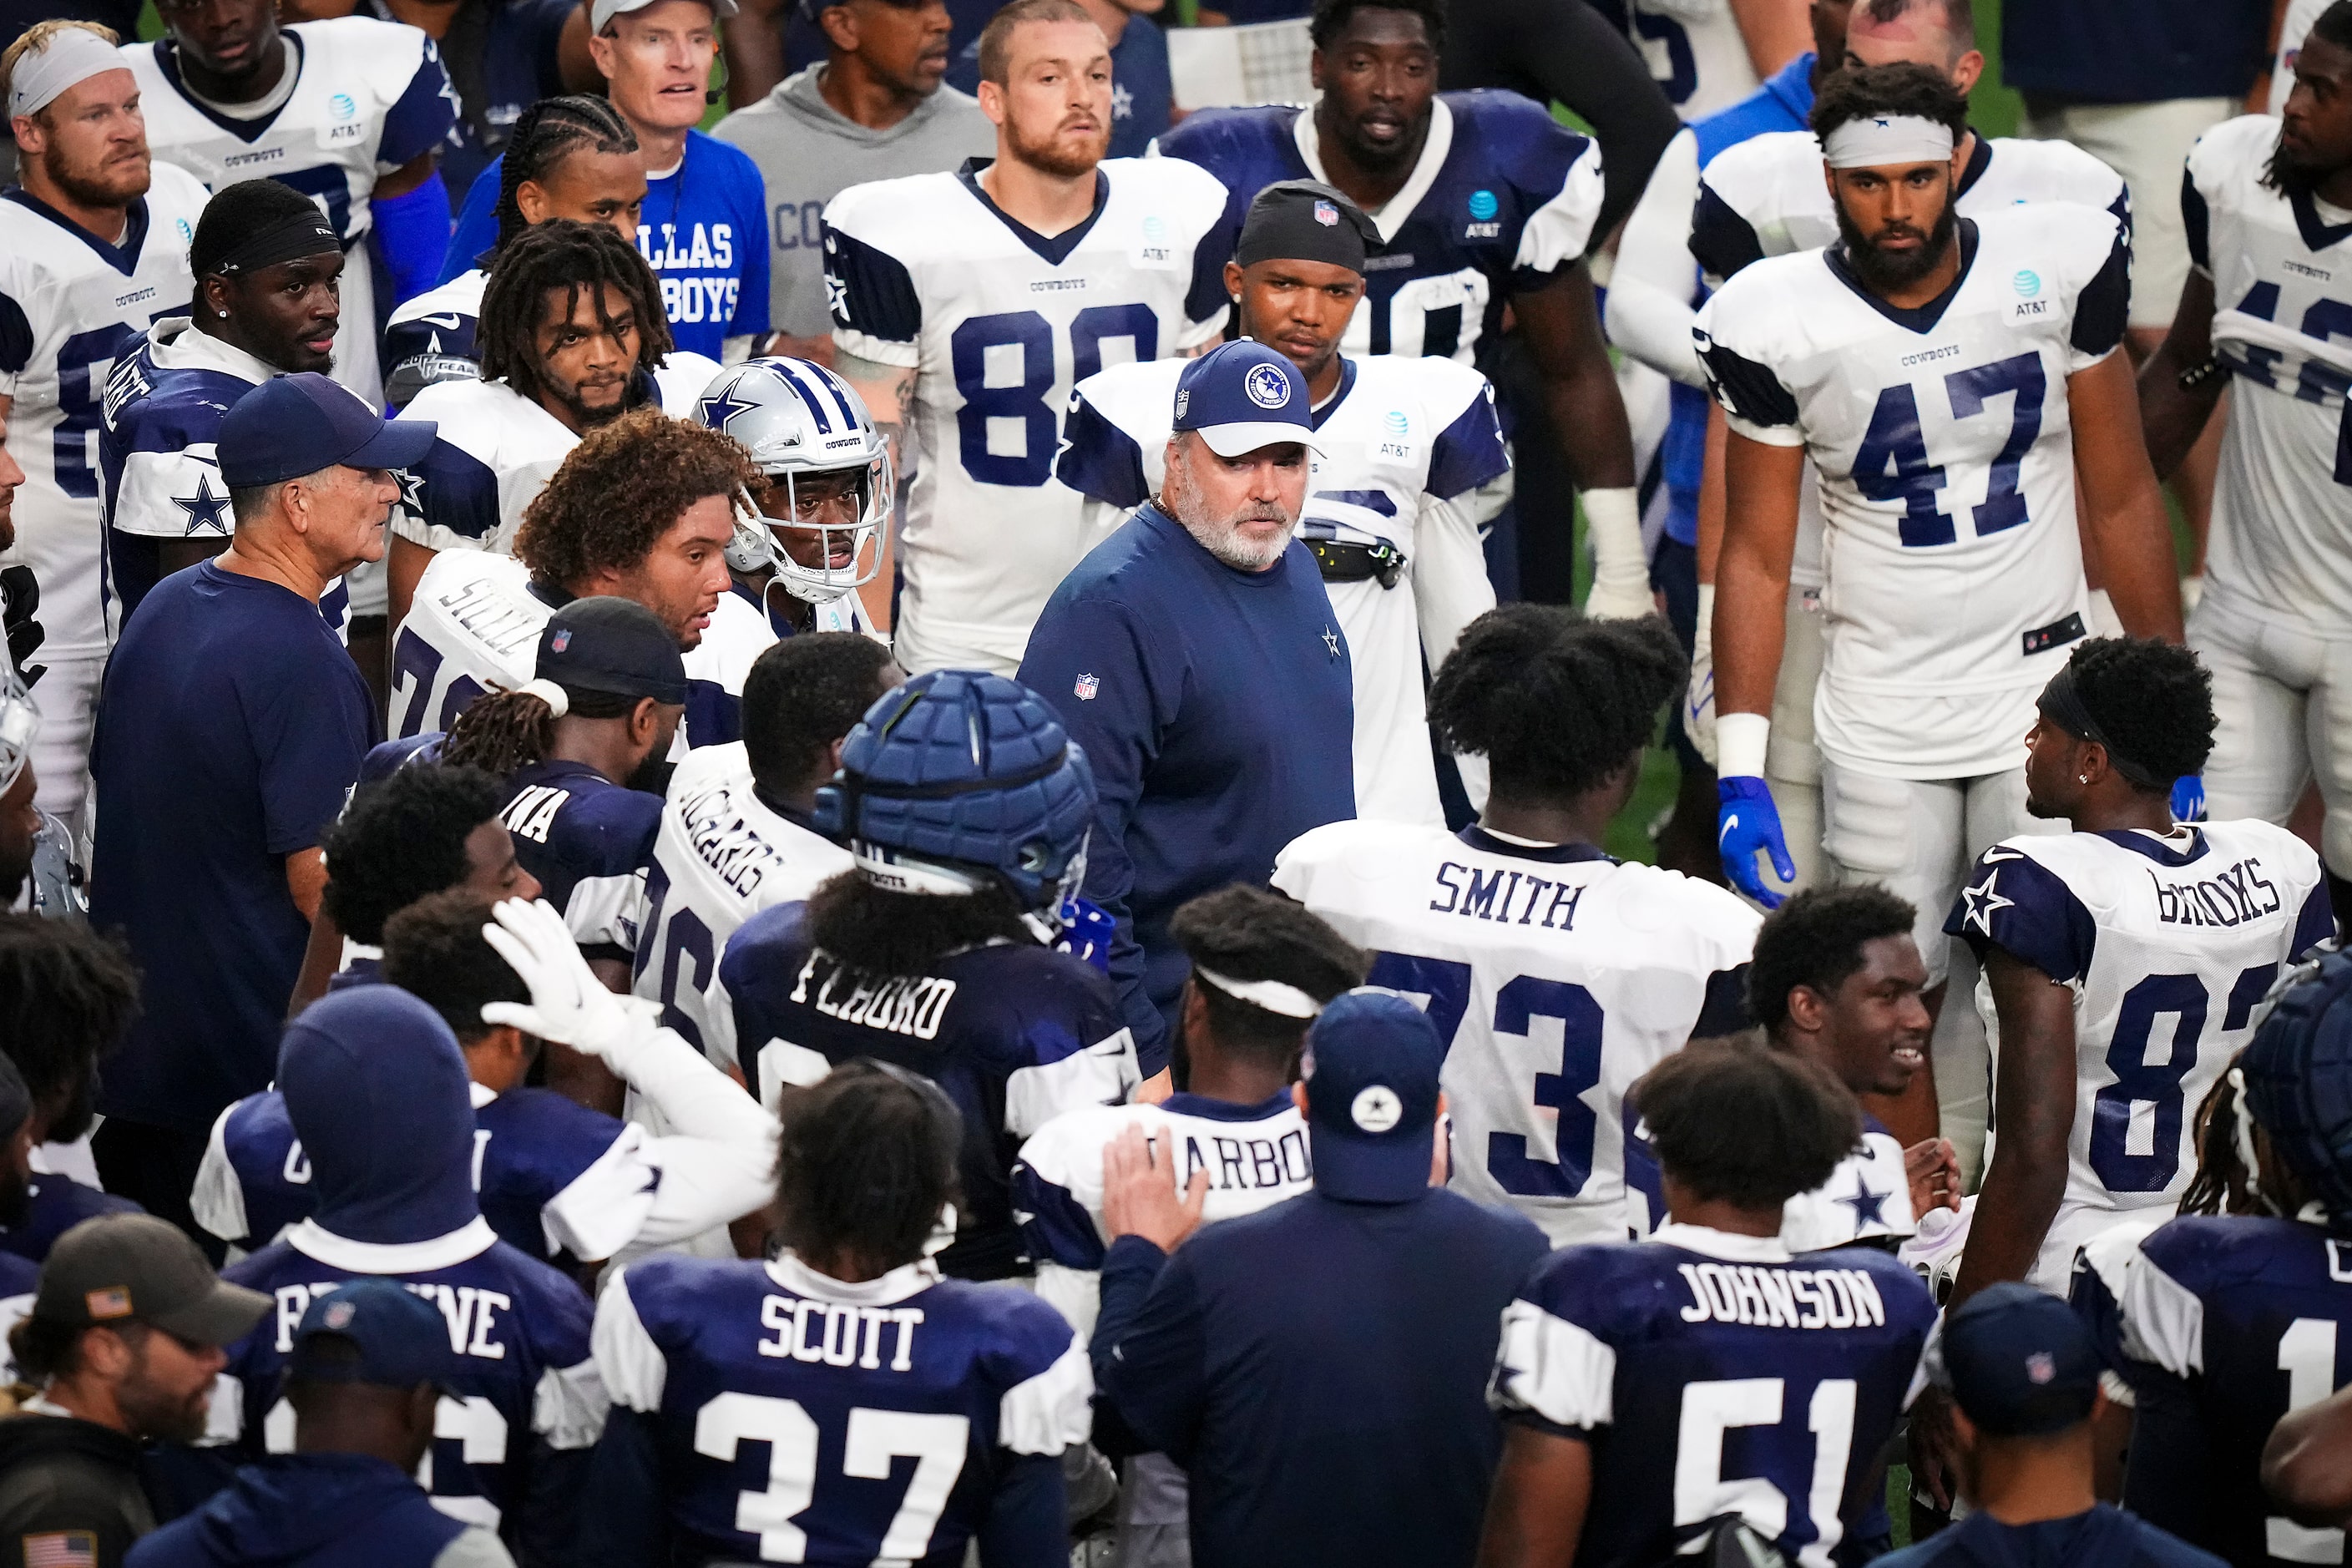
(1699, 702)
(568, 1004)
(1620, 568)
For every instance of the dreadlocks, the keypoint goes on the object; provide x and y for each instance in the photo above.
(506, 731)
(544, 135)
(561, 254)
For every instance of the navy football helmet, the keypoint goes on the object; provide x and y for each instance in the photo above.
(2298, 1078)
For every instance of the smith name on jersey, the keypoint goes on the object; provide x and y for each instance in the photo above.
(1502, 198)
(1403, 441)
(1945, 451)
(1556, 975)
(999, 323)
(72, 304)
(358, 100)
(2169, 944)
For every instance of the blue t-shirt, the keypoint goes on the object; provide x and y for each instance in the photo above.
(703, 229)
(1142, 93)
(2106, 1536)
(229, 735)
(2095, 52)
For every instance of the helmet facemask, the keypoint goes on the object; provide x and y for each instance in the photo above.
(847, 554)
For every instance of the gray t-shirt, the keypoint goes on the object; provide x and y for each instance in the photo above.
(808, 154)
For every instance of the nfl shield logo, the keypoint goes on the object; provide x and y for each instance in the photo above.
(339, 1315)
(1086, 686)
(1325, 214)
(2041, 1366)
(561, 640)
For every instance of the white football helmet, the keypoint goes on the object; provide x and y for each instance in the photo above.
(798, 419)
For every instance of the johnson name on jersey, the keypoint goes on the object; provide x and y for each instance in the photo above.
(72, 305)
(999, 323)
(1403, 441)
(1947, 473)
(1657, 1353)
(720, 856)
(840, 1386)
(1867, 1199)
(430, 339)
(2169, 944)
(358, 100)
(1556, 975)
(1502, 198)
(2282, 277)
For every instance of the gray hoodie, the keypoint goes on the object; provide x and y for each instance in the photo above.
(808, 153)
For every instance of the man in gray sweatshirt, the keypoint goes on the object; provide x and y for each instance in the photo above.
(875, 109)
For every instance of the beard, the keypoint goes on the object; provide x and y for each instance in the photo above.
(1048, 154)
(1223, 538)
(1886, 271)
(155, 1412)
(591, 416)
(653, 774)
(95, 187)
(2289, 178)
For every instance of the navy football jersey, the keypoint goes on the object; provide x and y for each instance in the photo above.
(1014, 1033)
(57, 1205)
(588, 841)
(803, 1420)
(2229, 1324)
(1711, 1374)
(1502, 198)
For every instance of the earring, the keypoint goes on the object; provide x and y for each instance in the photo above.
(2082, 778)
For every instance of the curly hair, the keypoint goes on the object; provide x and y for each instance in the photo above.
(625, 486)
(866, 1159)
(1555, 704)
(401, 839)
(544, 135)
(1815, 940)
(67, 995)
(1331, 18)
(1740, 1125)
(561, 254)
(1901, 88)
(2154, 699)
(804, 694)
(882, 931)
(1249, 933)
(435, 950)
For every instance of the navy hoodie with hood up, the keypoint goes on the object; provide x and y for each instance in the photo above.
(376, 1089)
(309, 1510)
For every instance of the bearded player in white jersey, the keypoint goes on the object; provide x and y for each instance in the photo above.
(1403, 443)
(968, 304)
(1556, 974)
(2266, 308)
(1936, 369)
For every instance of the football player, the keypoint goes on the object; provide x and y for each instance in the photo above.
(1625, 1370)
(93, 247)
(736, 834)
(2123, 961)
(66, 998)
(1949, 376)
(571, 337)
(347, 112)
(2259, 306)
(967, 305)
(1403, 443)
(1557, 975)
(841, 1357)
(1706, 55)
(1483, 203)
(2232, 1321)
(268, 267)
(571, 157)
(967, 810)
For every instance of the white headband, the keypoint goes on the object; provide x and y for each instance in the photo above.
(558, 701)
(1887, 139)
(1271, 995)
(67, 57)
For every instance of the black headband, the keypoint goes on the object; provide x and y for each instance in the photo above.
(1300, 220)
(2062, 703)
(291, 238)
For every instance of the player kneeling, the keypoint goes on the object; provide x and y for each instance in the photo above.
(843, 1356)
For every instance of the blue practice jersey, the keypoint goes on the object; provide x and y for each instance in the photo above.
(56, 1204)
(1014, 1033)
(798, 1419)
(588, 841)
(1502, 198)
(1711, 1374)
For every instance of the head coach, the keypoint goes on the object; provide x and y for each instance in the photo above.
(230, 731)
(1195, 656)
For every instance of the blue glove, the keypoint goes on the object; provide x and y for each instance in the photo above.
(1086, 931)
(1745, 821)
(2188, 798)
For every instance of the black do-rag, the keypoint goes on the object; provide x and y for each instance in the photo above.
(2063, 704)
(257, 224)
(1305, 220)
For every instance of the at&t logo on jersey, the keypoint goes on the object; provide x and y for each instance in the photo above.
(1483, 211)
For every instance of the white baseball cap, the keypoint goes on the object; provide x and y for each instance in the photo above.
(601, 14)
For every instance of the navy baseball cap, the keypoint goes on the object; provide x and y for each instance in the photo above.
(295, 425)
(1242, 396)
(615, 645)
(2019, 1362)
(1371, 1066)
(402, 1339)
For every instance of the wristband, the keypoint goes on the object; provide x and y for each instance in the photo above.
(1740, 740)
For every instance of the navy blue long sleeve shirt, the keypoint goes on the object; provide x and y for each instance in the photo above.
(1217, 708)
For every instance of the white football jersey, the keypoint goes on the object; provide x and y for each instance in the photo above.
(1695, 51)
(367, 97)
(1866, 1198)
(2282, 539)
(1947, 474)
(2169, 944)
(1404, 442)
(72, 305)
(475, 622)
(1765, 196)
(999, 324)
(496, 449)
(721, 857)
(1557, 976)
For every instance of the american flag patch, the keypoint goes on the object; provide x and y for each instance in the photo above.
(62, 1549)
(1086, 686)
(114, 1301)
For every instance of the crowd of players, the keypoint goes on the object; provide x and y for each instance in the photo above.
(969, 934)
